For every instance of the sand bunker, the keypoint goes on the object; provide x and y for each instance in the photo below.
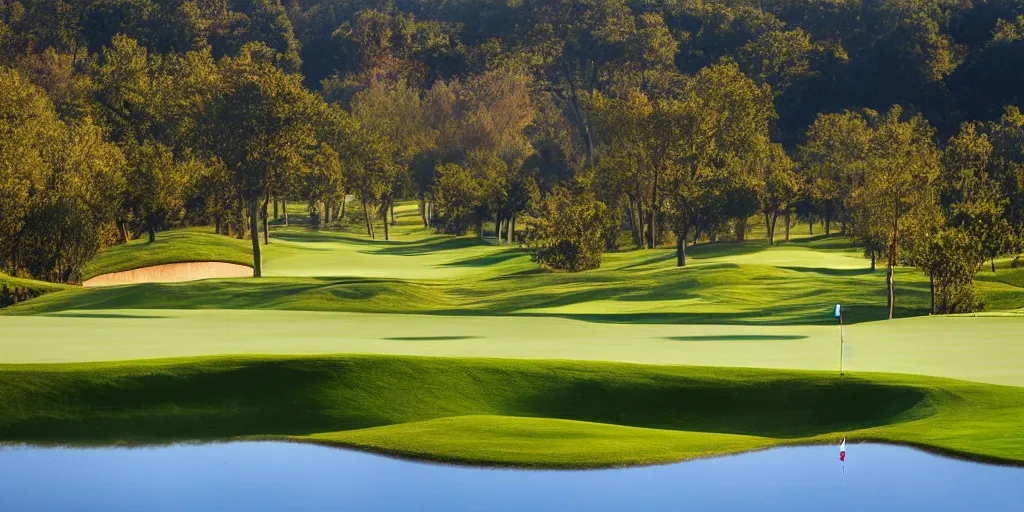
(171, 273)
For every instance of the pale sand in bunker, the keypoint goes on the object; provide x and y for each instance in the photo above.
(171, 273)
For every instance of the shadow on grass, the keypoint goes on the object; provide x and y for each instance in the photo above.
(485, 260)
(844, 272)
(739, 337)
(430, 338)
(428, 246)
(102, 315)
(791, 315)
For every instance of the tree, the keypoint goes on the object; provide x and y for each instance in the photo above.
(899, 183)
(154, 189)
(458, 198)
(323, 185)
(834, 156)
(574, 43)
(720, 129)
(28, 126)
(949, 257)
(779, 190)
(59, 185)
(633, 155)
(258, 126)
(392, 112)
(568, 234)
(779, 58)
(1007, 166)
(970, 198)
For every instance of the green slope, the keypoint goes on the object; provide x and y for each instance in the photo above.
(542, 413)
(14, 290)
(178, 246)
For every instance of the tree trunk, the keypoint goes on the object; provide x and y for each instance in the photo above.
(152, 232)
(632, 223)
(254, 235)
(423, 209)
(788, 223)
(889, 284)
(275, 207)
(810, 227)
(741, 230)
(768, 228)
(873, 260)
(497, 227)
(652, 227)
(123, 231)
(640, 222)
(344, 202)
(775, 220)
(384, 216)
(681, 247)
(931, 289)
(266, 227)
(993, 264)
(392, 208)
(366, 216)
(284, 210)
(511, 227)
(828, 225)
(216, 224)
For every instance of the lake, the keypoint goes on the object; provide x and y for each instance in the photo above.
(277, 476)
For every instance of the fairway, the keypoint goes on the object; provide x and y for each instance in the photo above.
(486, 309)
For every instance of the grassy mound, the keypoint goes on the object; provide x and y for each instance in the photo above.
(14, 290)
(541, 413)
(177, 246)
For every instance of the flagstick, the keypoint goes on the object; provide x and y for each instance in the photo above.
(842, 341)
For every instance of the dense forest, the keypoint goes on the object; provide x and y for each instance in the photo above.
(596, 124)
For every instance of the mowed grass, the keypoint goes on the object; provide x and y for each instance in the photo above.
(416, 272)
(508, 412)
(420, 272)
(983, 349)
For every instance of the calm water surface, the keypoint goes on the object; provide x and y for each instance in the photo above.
(284, 476)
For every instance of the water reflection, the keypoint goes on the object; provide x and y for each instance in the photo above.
(279, 476)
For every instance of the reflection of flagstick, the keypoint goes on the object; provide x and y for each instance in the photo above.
(842, 457)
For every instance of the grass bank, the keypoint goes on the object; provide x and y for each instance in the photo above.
(14, 290)
(178, 246)
(504, 412)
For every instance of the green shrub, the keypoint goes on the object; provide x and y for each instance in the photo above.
(569, 234)
(13, 294)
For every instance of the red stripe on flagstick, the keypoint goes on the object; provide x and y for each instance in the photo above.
(842, 456)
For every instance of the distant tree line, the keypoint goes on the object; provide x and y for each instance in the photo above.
(571, 126)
